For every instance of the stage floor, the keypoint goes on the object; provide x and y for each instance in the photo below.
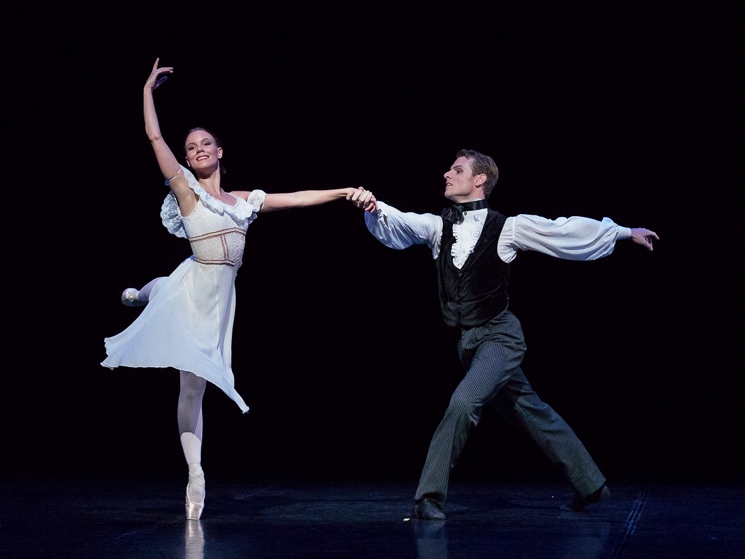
(144, 519)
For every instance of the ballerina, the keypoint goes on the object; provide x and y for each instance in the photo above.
(187, 321)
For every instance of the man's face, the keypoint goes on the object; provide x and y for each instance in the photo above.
(460, 183)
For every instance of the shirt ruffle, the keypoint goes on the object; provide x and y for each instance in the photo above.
(466, 235)
(243, 212)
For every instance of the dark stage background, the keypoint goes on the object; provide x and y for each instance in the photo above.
(622, 111)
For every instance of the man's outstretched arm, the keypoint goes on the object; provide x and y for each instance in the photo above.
(573, 238)
(396, 229)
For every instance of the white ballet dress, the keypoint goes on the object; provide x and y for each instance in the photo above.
(188, 321)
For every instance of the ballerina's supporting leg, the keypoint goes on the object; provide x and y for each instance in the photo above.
(134, 298)
(190, 426)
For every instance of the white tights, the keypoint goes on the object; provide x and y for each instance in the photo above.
(144, 294)
(191, 426)
(190, 422)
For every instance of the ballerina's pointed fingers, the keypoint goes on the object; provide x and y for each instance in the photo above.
(159, 75)
(155, 65)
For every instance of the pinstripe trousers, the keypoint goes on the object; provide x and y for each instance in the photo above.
(491, 354)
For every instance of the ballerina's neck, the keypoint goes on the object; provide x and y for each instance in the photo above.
(212, 186)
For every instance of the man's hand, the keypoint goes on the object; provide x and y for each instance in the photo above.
(644, 237)
(363, 199)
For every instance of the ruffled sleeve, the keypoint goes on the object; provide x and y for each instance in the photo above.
(400, 230)
(243, 212)
(256, 199)
(569, 238)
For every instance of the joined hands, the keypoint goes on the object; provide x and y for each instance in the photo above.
(363, 199)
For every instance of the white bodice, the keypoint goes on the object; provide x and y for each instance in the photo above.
(211, 215)
(214, 238)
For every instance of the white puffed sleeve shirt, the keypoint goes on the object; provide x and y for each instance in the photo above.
(569, 238)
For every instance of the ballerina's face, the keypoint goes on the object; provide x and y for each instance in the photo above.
(202, 151)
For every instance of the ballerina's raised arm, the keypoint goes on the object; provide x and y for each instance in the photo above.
(167, 162)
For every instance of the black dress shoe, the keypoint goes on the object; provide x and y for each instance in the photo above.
(428, 509)
(578, 503)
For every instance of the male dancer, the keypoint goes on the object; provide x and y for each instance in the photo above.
(473, 247)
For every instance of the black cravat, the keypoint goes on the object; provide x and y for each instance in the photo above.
(454, 213)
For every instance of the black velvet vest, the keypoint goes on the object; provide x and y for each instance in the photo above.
(476, 293)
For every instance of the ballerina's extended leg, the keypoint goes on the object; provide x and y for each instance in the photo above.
(131, 297)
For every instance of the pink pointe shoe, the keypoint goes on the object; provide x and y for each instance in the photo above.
(196, 484)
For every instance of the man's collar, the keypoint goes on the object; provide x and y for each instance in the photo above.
(454, 213)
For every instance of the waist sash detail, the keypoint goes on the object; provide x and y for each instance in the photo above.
(219, 247)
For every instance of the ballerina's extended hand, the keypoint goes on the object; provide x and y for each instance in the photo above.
(157, 76)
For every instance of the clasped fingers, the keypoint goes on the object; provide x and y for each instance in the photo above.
(362, 198)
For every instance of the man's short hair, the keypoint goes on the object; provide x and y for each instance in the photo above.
(482, 164)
